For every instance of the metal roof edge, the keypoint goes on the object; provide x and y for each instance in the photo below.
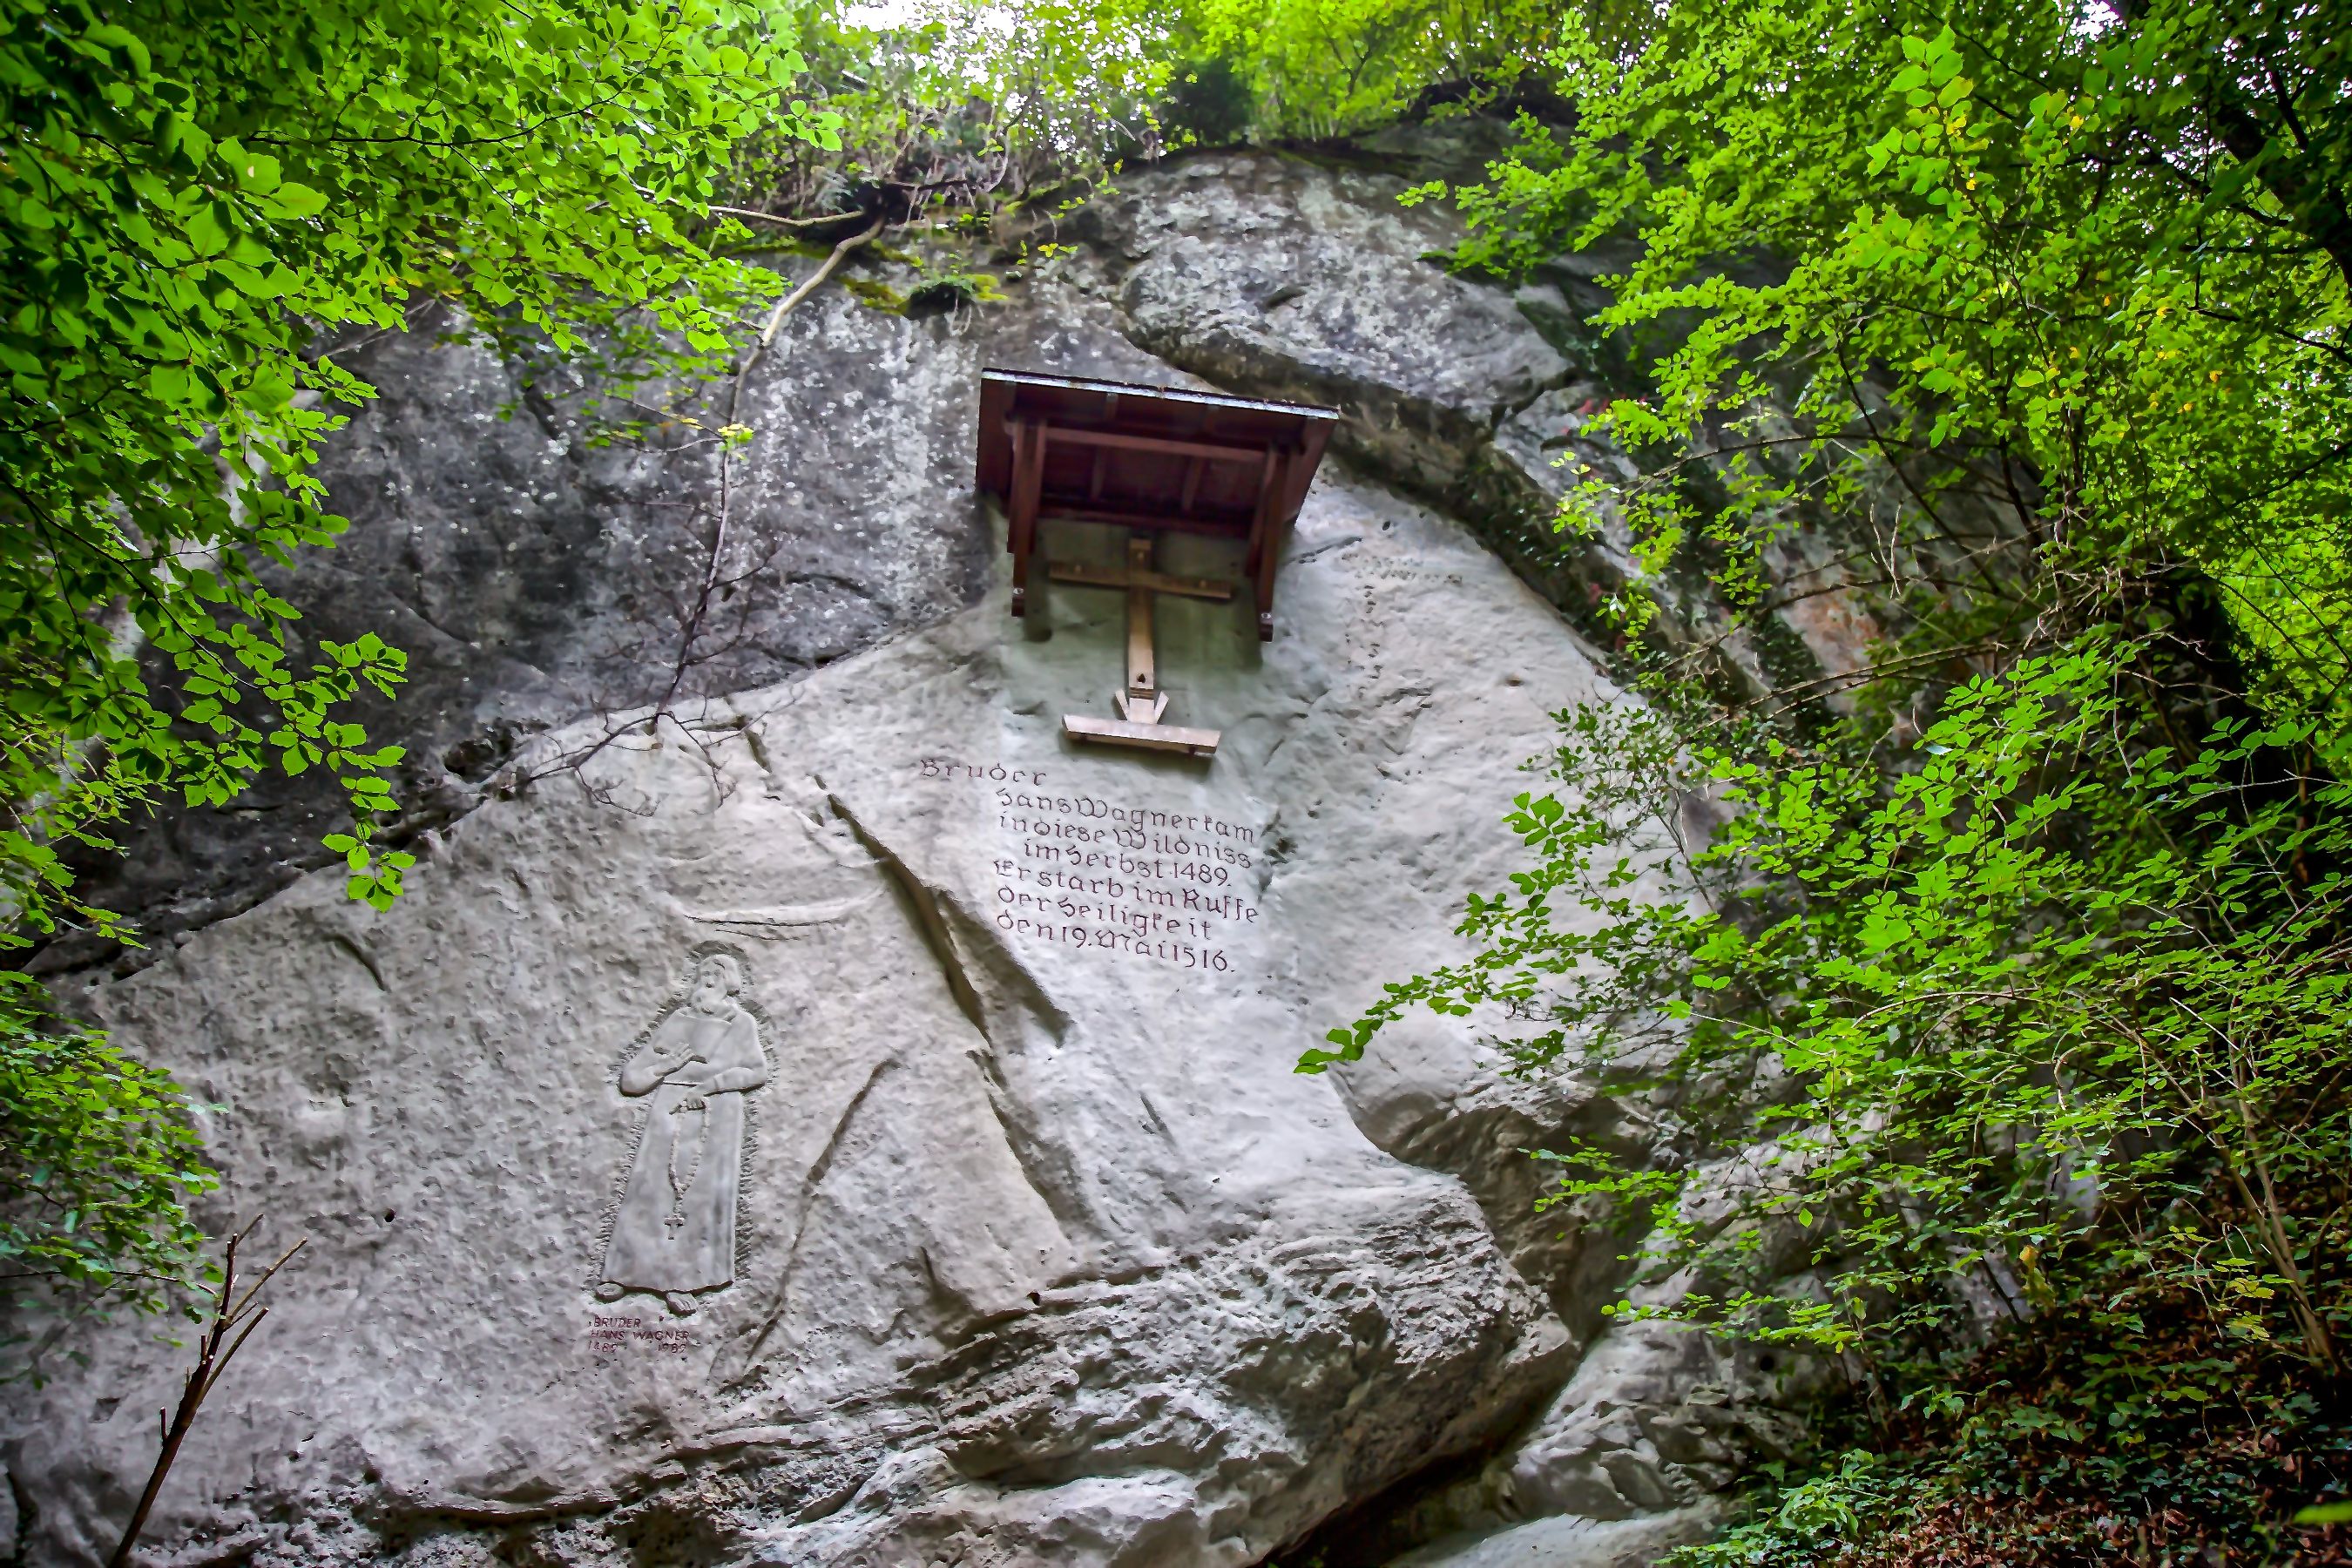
(1171, 394)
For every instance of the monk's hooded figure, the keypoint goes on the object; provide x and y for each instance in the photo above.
(675, 1233)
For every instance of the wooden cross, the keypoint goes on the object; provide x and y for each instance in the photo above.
(1142, 704)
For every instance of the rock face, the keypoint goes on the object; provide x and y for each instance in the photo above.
(840, 1124)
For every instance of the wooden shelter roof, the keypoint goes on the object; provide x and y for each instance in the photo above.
(1151, 457)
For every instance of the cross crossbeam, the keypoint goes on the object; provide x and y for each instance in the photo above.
(1142, 704)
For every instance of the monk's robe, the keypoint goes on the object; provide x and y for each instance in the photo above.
(676, 1227)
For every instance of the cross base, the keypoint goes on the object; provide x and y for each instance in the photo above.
(1152, 737)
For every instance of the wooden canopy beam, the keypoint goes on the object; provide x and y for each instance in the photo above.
(1021, 523)
(1133, 441)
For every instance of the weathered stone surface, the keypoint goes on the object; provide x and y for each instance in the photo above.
(533, 576)
(1566, 1541)
(1296, 279)
(1046, 1255)
(533, 573)
(1041, 1252)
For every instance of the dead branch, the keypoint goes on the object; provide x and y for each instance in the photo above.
(692, 613)
(234, 1317)
(784, 307)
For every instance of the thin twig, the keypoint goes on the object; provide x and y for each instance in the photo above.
(753, 215)
(692, 615)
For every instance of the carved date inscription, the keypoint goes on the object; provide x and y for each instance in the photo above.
(1131, 882)
(611, 1336)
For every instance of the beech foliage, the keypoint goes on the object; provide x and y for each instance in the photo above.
(1996, 971)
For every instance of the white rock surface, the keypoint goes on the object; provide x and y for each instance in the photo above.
(1573, 1542)
(1046, 1254)
(1275, 272)
(1042, 1253)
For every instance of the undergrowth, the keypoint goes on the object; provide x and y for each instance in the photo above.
(2138, 1421)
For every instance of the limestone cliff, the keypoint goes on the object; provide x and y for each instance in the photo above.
(1018, 1240)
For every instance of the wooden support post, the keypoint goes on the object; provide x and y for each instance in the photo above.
(1021, 523)
(1143, 702)
(1266, 542)
(1257, 528)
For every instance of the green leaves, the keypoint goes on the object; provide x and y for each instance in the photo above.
(1328, 67)
(192, 197)
(97, 1167)
(2035, 328)
(2085, 257)
(291, 201)
(2039, 957)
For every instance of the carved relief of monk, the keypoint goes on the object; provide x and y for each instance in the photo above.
(674, 1234)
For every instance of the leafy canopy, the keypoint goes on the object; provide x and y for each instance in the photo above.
(2025, 950)
(956, 104)
(96, 1160)
(193, 196)
(1942, 1011)
(2086, 270)
(1326, 68)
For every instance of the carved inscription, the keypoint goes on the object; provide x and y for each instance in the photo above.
(610, 1336)
(1389, 568)
(1169, 887)
(674, 1232)
(1393, 569)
